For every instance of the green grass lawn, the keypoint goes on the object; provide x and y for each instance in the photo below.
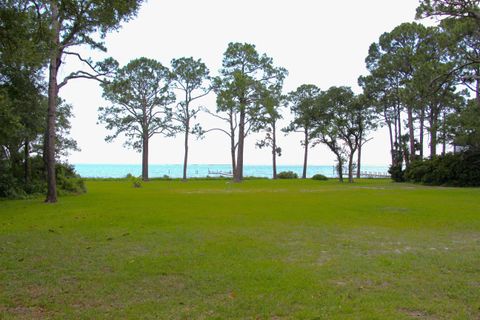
(258, 250)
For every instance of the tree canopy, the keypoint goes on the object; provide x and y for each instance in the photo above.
(141, 96)
(190, 78)
(244, 76)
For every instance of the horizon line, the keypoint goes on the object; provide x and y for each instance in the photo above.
(215, 164)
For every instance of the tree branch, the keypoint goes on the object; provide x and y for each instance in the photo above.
(81, 75)
(218, 129)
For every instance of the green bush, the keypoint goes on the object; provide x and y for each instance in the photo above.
(461, 170)
(13, 184)
(287, 175)
(37, 183)
(136, 182)
(319, 177)
(10, 187)
(68, 181)
(397, 173)
(417, 170)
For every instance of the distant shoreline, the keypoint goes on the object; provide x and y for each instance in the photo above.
(205, 170)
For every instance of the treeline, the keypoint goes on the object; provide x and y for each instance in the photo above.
(24, 109)
(420, 84)
(36, 36)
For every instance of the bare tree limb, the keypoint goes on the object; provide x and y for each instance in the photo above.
(218, 129)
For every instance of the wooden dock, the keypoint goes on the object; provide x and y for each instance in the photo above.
(220, 173)
(363, 174)
(374, 175)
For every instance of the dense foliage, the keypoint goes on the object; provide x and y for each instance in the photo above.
(462, 170)
(245, 80)
(140, 94)
(14, 186)
(287, 175)
(319, 177)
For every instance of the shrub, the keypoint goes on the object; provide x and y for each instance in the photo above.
(37, 183)
(287, 175)
(13, 185)
(68, 180)
(136, 182)
(397, 173)
(417, 170)
(10, 187)
(461, 170)
(467, 171)
(319, 177)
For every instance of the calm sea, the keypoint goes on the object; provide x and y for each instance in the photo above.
(202, 170)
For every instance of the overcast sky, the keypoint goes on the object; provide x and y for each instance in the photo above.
(319, 42)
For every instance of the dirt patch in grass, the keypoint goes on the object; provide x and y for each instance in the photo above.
(36, 292)
(227, 191)
(371, 188)
(23, 312)
(361, 283)
(417, 314)
(394, 210)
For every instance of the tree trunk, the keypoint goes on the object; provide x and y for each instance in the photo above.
(185, 158)
(392, 145)
(305, 156)
(359, 155)
(433, 134)
(232, 151)
(145, 157)
(396, 142)
(44, 152)
(340, 168)
(405, 154)
(232, 144)
(238, 174)
(402, 148)
(411, 133)
(350, 167)
(477, 93)
(433, 143)
(422, 128)
(444, 134)
(55, 62)
(359, 161)
(274, 151)
(27, 170)
(398, 119)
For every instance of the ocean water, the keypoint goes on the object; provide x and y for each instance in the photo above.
(203, 170)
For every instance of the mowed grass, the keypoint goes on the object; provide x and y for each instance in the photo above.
(258, 250)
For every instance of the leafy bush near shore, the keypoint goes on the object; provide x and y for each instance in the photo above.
(10, 187)
(287, 175)
(319, 177)
(136, 182)
(14, 186)
(397, 173)
(68, 181)
(462, 170)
